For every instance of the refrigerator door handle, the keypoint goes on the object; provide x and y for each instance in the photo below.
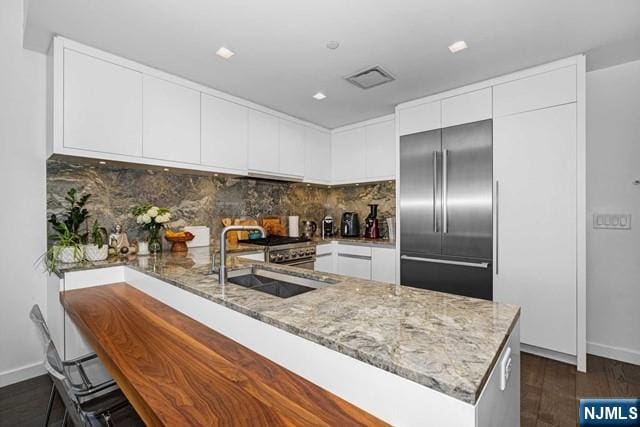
(446, 261)
(445, 202)
(497, 227)
(435, 187)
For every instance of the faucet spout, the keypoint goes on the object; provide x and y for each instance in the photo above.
(222, 272)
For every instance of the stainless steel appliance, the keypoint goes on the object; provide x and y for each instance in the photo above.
(446, 228)
(327, 227)
(294, 251)
(372, 230)
(350, 226)
(309, 229)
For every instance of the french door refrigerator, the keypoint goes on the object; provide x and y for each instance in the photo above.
(446, 228)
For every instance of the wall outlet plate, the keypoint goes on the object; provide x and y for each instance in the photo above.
(612, 221)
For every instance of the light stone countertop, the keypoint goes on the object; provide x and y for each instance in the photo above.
(445, 342)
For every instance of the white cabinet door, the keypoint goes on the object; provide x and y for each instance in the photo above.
(467, 108)
(347, 154)
(535, 223)
(264, 142)
(102, 106)
(380, 152)
(291, 148)
(354, 266)
(171, 118)
(420, 118)
(383, 264)
(540, 91)
(224, 135)
(317, 156)
(325, 263)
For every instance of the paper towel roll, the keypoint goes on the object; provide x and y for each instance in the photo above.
(294, 222)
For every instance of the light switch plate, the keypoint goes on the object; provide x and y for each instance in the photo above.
(612, 221)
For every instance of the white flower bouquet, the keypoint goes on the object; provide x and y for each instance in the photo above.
(152, 218)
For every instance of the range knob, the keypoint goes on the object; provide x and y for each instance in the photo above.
(280, 257)
(272, 257)
(294, 254)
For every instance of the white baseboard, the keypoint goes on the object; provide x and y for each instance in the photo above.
(20, 374)
(615, 353)
(549, 354)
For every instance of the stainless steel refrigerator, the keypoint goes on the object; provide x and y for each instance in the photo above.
(446, 229)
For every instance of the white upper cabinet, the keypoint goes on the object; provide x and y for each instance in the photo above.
(224, 133)
(102, 106)
(347, 155)
(171, 117)
(317, 156)
(420, 118)
(380, 150)
(292, 160)
(264, 142)
(467, 108)
(539, 91)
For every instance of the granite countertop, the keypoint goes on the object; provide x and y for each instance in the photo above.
(445, 342)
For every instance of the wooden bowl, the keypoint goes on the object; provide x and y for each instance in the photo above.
(179, 244)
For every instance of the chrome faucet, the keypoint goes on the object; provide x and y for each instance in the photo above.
(222, 271)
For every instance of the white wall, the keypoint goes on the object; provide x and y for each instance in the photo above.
(613, 256)
(22, 196)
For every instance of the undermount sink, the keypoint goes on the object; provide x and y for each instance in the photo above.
(274, 283)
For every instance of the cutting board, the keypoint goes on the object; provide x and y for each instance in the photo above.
(273, 226)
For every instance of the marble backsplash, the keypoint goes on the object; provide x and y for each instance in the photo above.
(205, 199)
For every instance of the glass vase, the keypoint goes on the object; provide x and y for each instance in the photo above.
(155, 246)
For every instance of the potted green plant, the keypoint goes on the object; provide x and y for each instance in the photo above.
(66, 248)
(97, 248)
(67, 241)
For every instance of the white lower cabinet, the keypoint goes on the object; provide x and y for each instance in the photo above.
(354, 266)
(326, 258)
(383, 265)
(536, 223)
(354, 261)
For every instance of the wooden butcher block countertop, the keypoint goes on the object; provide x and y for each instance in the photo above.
(176, 371)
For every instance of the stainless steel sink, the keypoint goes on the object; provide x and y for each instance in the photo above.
(274, 283)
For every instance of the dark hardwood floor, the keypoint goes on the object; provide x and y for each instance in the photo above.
(550, 392)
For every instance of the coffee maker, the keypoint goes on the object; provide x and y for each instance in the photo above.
(372, 231)
(326, 227)
(350, 226)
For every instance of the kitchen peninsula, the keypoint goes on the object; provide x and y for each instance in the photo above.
(403, 355)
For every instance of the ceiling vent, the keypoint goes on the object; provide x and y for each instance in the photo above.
(370, 77)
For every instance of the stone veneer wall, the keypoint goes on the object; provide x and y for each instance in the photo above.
(204, 199)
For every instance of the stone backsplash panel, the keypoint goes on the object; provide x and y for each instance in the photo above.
(204, 199)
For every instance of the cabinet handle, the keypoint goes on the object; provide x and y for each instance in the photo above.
(435, 180)
(446, 261)
(497, 227)
(354, 256)
(323, 255)
(445, 219)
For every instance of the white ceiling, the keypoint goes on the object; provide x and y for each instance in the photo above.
(281, 59)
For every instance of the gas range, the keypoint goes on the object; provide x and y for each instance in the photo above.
(294, 251)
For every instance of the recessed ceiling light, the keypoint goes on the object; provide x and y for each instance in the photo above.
(333, 44)
(102, 162)
(319, 96)
(458, 46)
(225, 53)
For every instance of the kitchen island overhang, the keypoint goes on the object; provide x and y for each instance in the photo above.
(355, 374)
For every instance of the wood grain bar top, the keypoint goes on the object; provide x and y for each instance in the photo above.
(176, 371)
